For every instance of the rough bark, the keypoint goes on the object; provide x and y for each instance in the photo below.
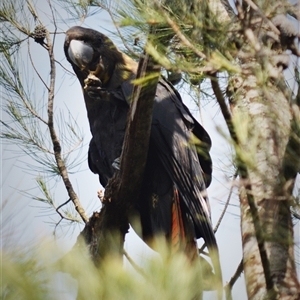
(262, 126)
(262, 121)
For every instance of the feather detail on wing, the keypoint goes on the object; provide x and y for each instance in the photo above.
(178, 238)
(171, 132)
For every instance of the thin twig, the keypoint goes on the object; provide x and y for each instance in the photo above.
(232, 281)
(62, 217)
(222, 214)
(36, 71)
(59, 63)
(60, 206)
(31, 9)
(80, 140)
(134, 265)
(56, 225)
(226, 204)
(133, 53)
(31, 110)
(178, 32)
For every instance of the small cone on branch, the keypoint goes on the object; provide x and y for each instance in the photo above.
(39, 34)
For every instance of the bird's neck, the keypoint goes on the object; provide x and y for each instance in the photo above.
(122, 71)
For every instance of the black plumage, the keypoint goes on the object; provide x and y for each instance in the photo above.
(175, 171)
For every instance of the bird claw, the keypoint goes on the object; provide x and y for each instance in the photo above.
(97, 93)
(93, 87)
(92, 80)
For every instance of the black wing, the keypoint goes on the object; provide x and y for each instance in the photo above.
(107, 123)
(171, 135)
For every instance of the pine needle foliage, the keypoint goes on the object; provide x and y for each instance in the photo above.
(30, 277)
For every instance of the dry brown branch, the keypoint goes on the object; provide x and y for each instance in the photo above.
(55, 141)
(223, 106)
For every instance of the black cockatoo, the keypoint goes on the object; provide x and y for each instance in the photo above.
(173, 199)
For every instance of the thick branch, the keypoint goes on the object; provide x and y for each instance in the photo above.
(106, 231)
(223, 106)
(259, 234)
(135, 147)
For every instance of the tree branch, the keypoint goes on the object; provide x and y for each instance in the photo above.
(222, 214)
(34, 68)
(233, 279)
(226, 204)
(55, 141)
(178, 32)
(134, 265)
(224, 108)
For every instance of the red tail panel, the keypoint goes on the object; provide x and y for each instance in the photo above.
(181, 239)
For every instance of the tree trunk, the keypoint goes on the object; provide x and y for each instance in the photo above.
(262, 127)
(262, 121)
